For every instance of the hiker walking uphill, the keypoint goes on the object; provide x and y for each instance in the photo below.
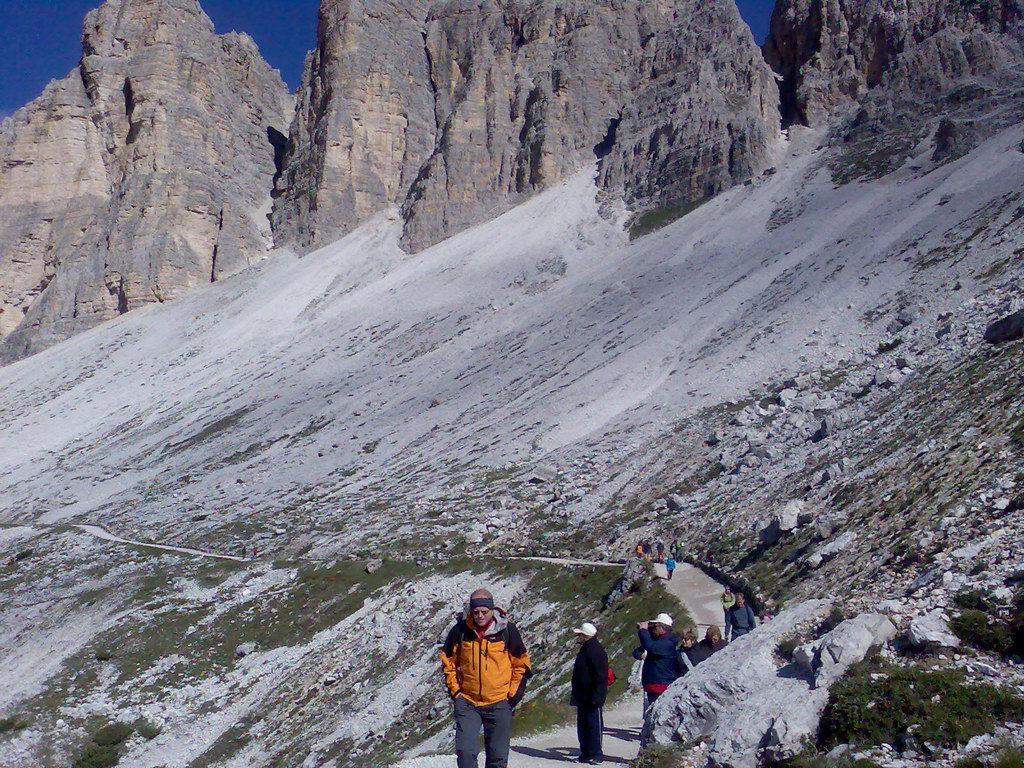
(661, 663)
(486, 667)
(740, 619)
(589, 689)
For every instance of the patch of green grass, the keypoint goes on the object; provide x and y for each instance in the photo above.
(652, 221)
(541, 714)
(232, 741)
(813, 759)
(875, 702)
(659, 756)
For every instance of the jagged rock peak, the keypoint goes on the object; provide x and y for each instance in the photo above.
(145, 171)
(454, 111)
(832, 52)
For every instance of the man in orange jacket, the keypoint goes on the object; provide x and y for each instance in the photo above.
(486, 667)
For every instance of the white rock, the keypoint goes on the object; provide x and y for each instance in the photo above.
(931, 630)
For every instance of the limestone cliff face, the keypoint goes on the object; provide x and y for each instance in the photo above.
(494, 100)
(834, 52)
(364, 122)
(146, 171)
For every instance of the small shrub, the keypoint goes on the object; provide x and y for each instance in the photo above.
(972, 599)
(979, 629)
(96, 756)
(105, 748)
(114, 734)
(787, 646)
(659, 756)
(835, 617)
(146, 729)
(1010, 757)
(9, 724)
(875, 702)
(104, 654)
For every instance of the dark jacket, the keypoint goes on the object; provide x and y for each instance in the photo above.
(740, 620)
(694, 655)
(590, 676)
(661, 666)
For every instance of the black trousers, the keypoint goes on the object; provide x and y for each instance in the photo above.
(589, 729)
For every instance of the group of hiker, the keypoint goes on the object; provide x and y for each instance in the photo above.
(656, 551)
(486, 667)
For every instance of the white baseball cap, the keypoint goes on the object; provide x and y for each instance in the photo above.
(587, 629)
(663, 618)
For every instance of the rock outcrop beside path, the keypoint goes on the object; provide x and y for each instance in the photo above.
(749, 707)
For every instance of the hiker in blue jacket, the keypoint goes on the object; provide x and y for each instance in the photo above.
(661, 662)
(740, 619)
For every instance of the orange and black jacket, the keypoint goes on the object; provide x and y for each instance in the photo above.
(488, 670)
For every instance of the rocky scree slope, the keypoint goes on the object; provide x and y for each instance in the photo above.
(455, 111)
(146, 171)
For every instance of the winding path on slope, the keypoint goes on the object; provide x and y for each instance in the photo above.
(695, 590)
(701, 596)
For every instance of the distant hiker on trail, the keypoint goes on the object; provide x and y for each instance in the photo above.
(728, 600)
(639, 549)
(589, 690)
(255, 552)
(486, 667)
(648, 550)
(740, 619)
(670, 566)
(661, 551)
(661, 664)
(675, 549)
(713, 640)
(245, 551)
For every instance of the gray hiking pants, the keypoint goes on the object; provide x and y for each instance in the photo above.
(496, 720)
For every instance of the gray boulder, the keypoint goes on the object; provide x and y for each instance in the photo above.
(1009, 328)
(931, 630)
(675, 502)
(785, 520)
(635, 576)
(830, 656)
(245, 649)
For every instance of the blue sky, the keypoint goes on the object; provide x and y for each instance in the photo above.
(42, 38)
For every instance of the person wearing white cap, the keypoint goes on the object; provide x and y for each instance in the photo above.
(589, 689)
(661, 662)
